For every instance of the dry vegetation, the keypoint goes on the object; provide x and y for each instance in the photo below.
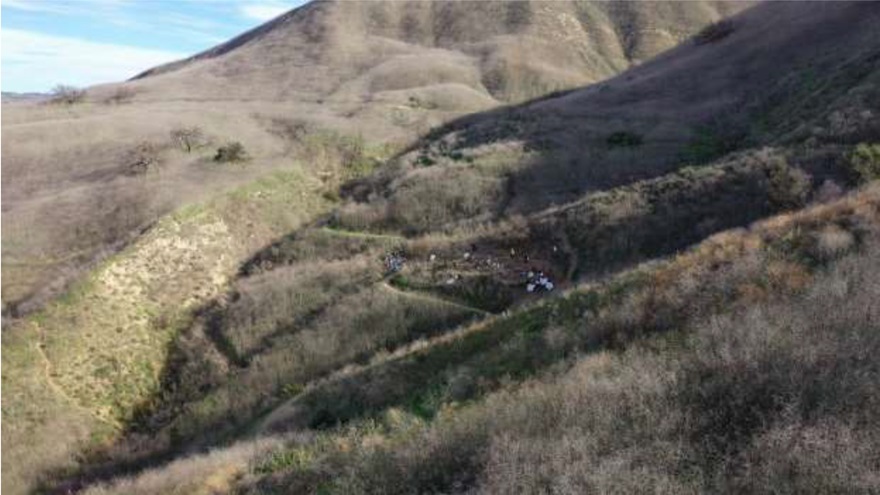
(223, 317)
(760, 402)
(741, 365)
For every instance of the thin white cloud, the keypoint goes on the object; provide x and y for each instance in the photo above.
(62, 6)
(37, 62)
(263, 11)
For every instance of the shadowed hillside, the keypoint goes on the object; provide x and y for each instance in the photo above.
(816, 85)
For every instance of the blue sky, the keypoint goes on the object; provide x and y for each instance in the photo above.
(85, 42)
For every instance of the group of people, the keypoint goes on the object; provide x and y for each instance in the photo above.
(394, 262)
(537, 281)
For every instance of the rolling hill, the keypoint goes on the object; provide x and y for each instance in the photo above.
(365, 319)
(383, 72)
(453, 52)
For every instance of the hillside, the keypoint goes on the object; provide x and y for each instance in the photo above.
(384, 73)
(690, 106)
(437, 52)
(662, 281)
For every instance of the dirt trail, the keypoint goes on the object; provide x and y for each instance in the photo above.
(57, 389)
(433, 299)
(362, 235)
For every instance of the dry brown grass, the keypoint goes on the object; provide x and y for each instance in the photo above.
(283, 329)
(108, 346)
(774, 396)
(103, 346)
(509, 51)
(205, 474)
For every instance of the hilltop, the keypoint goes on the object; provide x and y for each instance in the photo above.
(442, 53)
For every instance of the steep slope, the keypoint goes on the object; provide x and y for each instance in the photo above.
(320, 339)
(681, 372)
(783, 74)
(466, 50)
(396, 380)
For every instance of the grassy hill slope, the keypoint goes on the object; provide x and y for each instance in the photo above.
(278, 353)
(76, 175)
(816, 87)
(740, 353)
(76, 372)
(499, 50)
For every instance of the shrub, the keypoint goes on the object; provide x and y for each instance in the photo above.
(188, 138)
(714, 32)
(865, 161)
(425, 161)
(773, 396)
(426, 204)
(142, 158)
(828, 191)
(624, 139)
(67, 95)
(789, 186)
(833, 241)
(338, 157)
(231, 152)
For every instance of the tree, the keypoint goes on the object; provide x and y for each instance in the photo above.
(67, 95)
(188, 138)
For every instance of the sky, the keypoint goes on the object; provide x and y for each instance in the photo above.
(44, 43)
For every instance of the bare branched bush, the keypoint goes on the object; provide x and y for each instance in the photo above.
(188, 138)
(449, 195)
(67, 95)
(338, 157)
(832, 241)
(142, 158)
(775, 396)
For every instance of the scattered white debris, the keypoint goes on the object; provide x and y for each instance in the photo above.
(394, 262)
(433, 257)
(539, 281)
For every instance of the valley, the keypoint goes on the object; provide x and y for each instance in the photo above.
(456, 247)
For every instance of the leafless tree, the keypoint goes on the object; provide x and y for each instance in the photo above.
(188, 138)
(68, 95)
